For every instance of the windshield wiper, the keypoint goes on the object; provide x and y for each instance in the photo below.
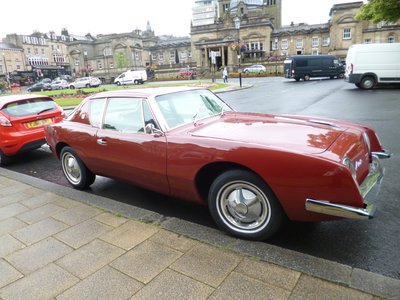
(44, 110)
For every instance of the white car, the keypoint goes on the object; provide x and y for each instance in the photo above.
(85, 82)
(59, 84)
(255, 69)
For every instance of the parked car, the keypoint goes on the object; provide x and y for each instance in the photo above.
(85, 82)
(251, 169)
(45, 80)
(39, 87)
(59, 84)
(131, 77)
(22, 121)
(368, 65)
(307, 66)
(255, 69)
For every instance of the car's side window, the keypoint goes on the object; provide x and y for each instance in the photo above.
(148, 116)
(95, 112)
(124, 114)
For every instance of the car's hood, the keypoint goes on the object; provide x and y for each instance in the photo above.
(298, 134)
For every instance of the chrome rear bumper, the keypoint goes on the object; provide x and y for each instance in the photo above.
(372, 181)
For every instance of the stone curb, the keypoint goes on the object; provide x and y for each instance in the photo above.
(347, 276)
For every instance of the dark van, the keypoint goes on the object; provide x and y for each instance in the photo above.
(307, 66)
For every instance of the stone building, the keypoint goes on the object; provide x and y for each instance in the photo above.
(45, 55)
(334, 37)
(241, 31)
(11, 59)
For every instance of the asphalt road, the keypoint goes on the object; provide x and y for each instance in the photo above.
(370, 245)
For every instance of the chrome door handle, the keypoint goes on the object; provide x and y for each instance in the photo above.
(101, 142)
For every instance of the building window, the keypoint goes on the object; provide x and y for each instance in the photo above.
(275, 44)
(77, 62)
(190, 54)
(111, 65)
(107, 52)
(99, 65)
(326, 41)
(284, 44)
(172, 55)
(299, 43)
(367, 41)
(391, 39)
(154, 56)
(315, 52)
(42, 51)
(183, 54)
(161, 56)
(18, 67)
(226, 7)
(347, 34)
(137, 56)
(315, 42)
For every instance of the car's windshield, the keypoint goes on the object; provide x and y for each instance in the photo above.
(189, 106)
(29, 107)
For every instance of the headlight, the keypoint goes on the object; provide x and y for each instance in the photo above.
(349, 164)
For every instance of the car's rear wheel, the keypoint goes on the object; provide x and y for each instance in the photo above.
(4, 159)
(242, 204)
(87, 85)
(71, 87)
(77, 174)
(135, 81)
(367, 83)
(306, 77)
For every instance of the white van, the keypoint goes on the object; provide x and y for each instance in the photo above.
(131, 77)
(370, 64)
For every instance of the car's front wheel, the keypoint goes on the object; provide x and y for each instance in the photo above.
(242, 204)
(77, 174)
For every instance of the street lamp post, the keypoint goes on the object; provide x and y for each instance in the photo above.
(85, 59)
(276, 58)
(6, 71)
(237, 26)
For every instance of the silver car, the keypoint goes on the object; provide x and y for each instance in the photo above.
(59, 84)
(85, 82)
(255, 69)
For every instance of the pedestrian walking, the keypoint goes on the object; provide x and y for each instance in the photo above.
(225, 75)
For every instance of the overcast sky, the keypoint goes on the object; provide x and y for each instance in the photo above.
(102, 17)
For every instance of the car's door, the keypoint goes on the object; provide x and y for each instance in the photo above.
(125, 151)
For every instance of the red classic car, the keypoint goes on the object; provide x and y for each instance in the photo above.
(250, 169)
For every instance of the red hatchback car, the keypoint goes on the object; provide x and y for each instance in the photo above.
(252, 170)
(22, 121)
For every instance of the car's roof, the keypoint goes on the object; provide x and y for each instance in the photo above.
(144, 92)
(18, 97)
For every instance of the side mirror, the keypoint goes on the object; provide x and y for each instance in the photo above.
(151, 129)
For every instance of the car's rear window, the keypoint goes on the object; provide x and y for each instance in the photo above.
(29, 107)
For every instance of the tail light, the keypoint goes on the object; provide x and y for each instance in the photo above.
(5, 122)
(351, 69)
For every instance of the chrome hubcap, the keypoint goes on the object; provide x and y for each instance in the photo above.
(71, 168)
(243, 207)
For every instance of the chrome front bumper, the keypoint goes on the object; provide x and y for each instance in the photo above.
(372, 181)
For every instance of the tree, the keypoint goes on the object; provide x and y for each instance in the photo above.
(121, 60)
(380, 10)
